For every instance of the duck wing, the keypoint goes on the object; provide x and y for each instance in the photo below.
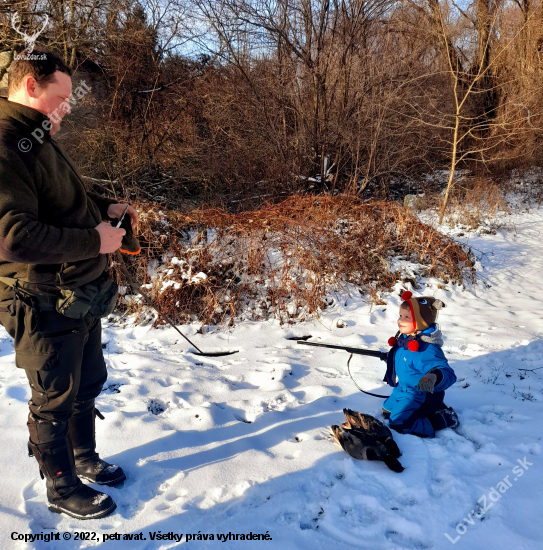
(366, 422)
(372, 426)
(348, 442)
(354, 419)
(392, 447)
(373, 449)
(358, 444)
(378, 451)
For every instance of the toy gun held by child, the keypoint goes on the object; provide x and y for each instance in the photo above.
(356, 351)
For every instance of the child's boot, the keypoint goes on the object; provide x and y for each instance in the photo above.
(444, 418)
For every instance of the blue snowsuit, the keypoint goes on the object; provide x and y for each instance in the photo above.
(410, 408)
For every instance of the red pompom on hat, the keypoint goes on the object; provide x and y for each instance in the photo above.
(392, 341)
(407, 295)
(413, 345)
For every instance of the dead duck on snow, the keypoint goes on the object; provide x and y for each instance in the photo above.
(363, 446)
(370, 425)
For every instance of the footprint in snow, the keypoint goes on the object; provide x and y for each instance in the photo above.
(293, 455)
(156, 407)
(241, 418)
(403, 540)
(112, 388)
(34, 502)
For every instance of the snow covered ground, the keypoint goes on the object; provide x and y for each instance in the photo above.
(241, 443)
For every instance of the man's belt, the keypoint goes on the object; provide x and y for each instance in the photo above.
(33, 287)
(45, 294)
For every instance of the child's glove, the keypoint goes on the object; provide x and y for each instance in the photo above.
(427, 382)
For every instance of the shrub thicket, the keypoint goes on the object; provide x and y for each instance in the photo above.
(284, 260)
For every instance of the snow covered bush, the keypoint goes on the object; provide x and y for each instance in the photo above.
(285, 259)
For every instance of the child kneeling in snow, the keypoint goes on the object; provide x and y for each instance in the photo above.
(423, 374)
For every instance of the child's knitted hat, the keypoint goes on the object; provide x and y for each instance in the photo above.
(423, 310)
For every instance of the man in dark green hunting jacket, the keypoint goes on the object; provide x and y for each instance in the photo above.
(53, 238)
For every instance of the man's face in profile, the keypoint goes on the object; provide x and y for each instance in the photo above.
(52, 100)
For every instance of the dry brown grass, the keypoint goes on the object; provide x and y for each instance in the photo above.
(473, 203)
(284, 259)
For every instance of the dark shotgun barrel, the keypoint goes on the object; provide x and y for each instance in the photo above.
(357, 351)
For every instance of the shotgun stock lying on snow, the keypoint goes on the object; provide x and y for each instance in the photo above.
(357, 351)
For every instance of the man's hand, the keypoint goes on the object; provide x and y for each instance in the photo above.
(427, 382)
(116, 211)
(110, 237)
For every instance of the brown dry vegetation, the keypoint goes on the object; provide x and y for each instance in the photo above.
(474, 202)
(240, 104)
(285, 260)
(234, 102)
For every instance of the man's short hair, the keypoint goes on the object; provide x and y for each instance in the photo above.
(41, 65)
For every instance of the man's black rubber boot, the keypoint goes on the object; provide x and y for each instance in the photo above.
(88, 464)
(65, 492)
